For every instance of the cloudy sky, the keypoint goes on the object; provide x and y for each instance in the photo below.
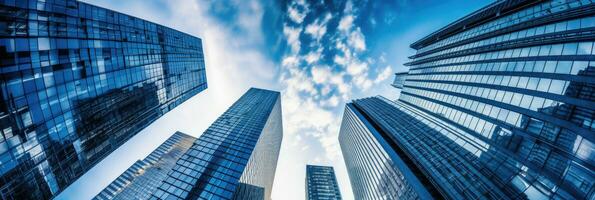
(319, 54)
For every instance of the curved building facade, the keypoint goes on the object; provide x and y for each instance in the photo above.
(376, 171)
(504, 100)
(519, 78)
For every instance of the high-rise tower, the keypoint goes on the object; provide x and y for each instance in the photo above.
(499, 105)
(376, 167)
(236, 157)
(321, 183)
(144, 176)
(77, 81)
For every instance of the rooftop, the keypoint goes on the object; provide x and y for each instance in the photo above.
(488, 13)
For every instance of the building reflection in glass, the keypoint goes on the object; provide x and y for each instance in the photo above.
(235, 158)
(376, 169)
(77, 81)
(498, 105)
(144, 176)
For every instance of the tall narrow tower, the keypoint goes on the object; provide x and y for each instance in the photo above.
(236, 157)
(144, 176)
(321, 183)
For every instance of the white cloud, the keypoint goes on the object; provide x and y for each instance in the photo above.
(300, 82)
(333, 101)
(249, 18)
(292, 36)
(290, 61)
(357, 40)
(385, 74)
(363, 82)
(326, 89)
(346, 22)
(321, 74)
(340, 60)
(313, 56)
(357, 68)
(342, 86)
(295, 14)
(317, 29)
(348, 7)
(305, 147)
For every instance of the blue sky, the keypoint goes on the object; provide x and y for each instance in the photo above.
(319, 54)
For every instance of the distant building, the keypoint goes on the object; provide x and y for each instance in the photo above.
(321, 183)
(76, 82)
(236, 157)
(144, 176)
(497, 105)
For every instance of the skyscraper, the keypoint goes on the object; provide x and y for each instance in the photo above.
(499, 104)
(376, 168)
(321, 183)
(77, 82)
(144, 176)
(235, 158)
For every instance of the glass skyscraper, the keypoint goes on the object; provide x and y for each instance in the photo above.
(321, 183)
(144, 176)
(376, 170)
(235, 158)
(497, 105)
(77, 81)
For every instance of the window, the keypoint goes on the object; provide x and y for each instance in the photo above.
(584, 48)
(556, 50)
(550, 67)
(564, 67)
(43, 44)
(588, 22)
(570, 49)
(22, 44)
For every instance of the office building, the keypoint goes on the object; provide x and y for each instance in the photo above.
(375, 169)
(77, 82)
(144, 176)
(497, 105)
(235, 158)
(321, 183)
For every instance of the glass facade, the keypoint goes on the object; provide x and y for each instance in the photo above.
(77, 81)
(376, 170)
(521, 86)
(399, 80)
(235, 158)
(144, 176)
(321, 183)
(500, 104)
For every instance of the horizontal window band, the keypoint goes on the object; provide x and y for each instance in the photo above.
(585, 133)
(549, 19)
(546, 95)
(518, 59)
(578, 35)
(502, 150)
(554, 76)
(497, 122)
